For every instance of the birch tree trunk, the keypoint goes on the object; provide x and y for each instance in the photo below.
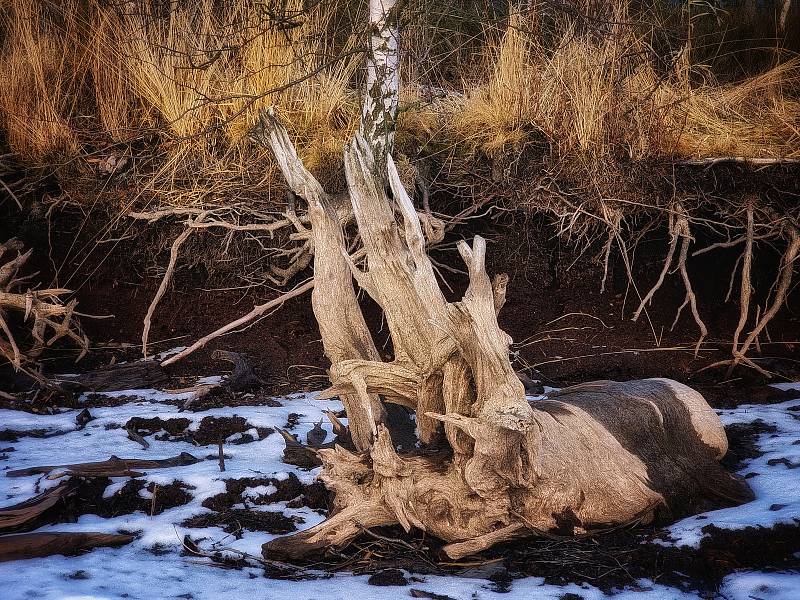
(382, 94)
(495, 466)
(784, 14)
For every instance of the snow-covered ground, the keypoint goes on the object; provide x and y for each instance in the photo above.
(136, 571)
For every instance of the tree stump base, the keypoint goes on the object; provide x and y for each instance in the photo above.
(598, 455)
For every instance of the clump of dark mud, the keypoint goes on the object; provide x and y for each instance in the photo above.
(211, 430)
(733, 394)
(222, 398)
(232, 509)
(619, 559)
(290, 490)
(236, 520)
(150, 498)
(13, 435)
(167, 429)
(136, 495)
(742, 446)
(84, 496)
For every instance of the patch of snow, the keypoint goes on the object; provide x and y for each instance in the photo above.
(167, 353)
(152, 565)
(254, 493)
(787, 386)
(749, 585)
(117, 483)
(52, 424)
(773, 476)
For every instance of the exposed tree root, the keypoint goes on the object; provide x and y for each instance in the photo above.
(746, 288)
(199, 219)
(784, 283)
(789, 231)
(173, 259)
(679, 230)
(509, 466)
(44, 307)
(258, 311)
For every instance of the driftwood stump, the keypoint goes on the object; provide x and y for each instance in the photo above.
(592, 456)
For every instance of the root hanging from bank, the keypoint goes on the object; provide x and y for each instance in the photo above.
(679, 230)
(173, 259)
(760, 223)
(257, 223)
(787, 230)
(784, 283)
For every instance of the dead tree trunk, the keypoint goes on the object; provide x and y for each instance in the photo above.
(595, 455)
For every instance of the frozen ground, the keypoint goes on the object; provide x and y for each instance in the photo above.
(136, 571)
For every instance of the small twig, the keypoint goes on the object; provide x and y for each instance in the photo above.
(153, 500)
(388, 540)
(132, 435)
(755, 161)
(258, 311)
(221, 456)
(173, 259)
(665, 269)
(11, 193)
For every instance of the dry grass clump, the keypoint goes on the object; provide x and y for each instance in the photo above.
(755, 117)
(595, 98)
(193, 74)
(40, 82)
(191, 78)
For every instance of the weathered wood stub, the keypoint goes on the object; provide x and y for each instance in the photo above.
(591, 456)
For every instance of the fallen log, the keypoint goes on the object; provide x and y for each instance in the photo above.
(16, 517)
(114, 378)
(35, 545)
(113, 467)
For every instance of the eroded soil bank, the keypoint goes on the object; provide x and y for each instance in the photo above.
(565, 329)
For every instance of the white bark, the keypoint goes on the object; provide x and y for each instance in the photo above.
(784, 14)
(379, 112)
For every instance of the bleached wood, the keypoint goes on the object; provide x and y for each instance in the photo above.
(497, 466)
(594, 455)
(344, 332)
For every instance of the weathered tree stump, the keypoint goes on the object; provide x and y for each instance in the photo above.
(591, 456)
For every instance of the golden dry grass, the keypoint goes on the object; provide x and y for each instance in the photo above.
(80, 75)
(589, 102)
(39, 84)
(198, 75)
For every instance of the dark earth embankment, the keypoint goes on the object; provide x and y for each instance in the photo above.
(566, 330)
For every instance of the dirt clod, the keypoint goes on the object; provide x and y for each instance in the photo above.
(210, 430)
(236, 520)
(313, 495)
(388, 577)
